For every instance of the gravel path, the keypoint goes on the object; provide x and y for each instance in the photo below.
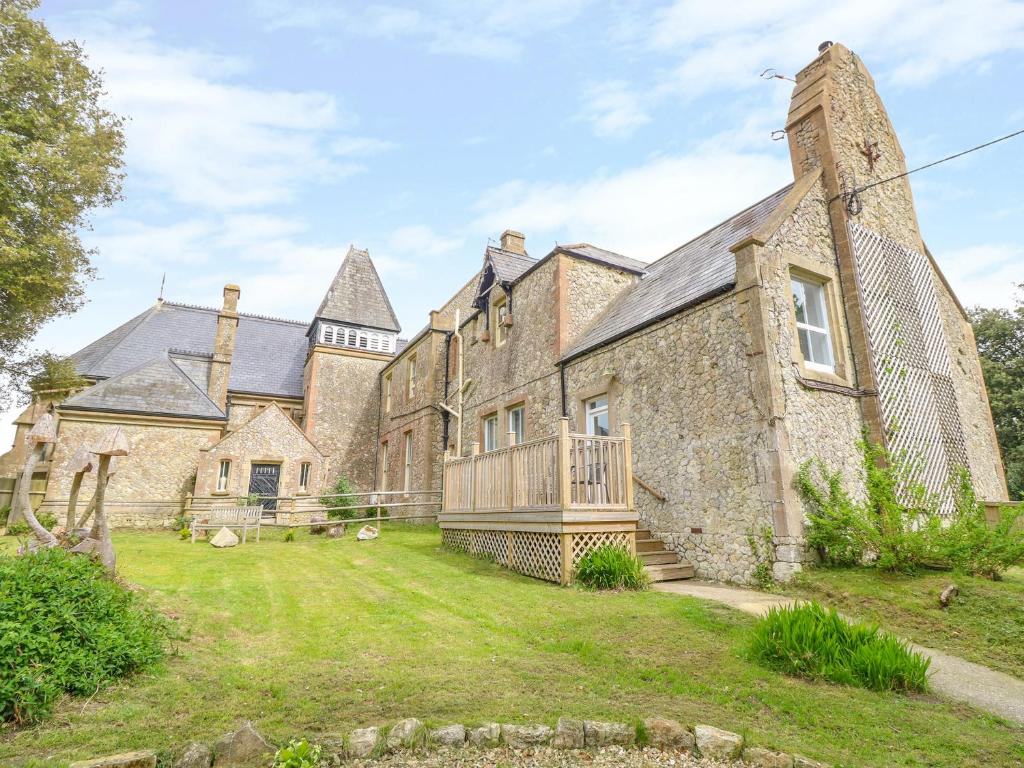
(951, 676)
(610, 757)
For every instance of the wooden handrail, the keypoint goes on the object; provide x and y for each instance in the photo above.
(648, 488)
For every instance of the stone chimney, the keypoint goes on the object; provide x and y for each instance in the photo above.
(224, 347)
(513, 241)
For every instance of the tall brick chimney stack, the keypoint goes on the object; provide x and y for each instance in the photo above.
(224, 347)
(513, 241)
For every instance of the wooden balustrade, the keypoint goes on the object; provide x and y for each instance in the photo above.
(563, 472)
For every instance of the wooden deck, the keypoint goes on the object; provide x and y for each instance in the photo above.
(538, 507)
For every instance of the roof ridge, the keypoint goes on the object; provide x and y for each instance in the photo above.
(139, 319)
(182, 351)
(252, 315)
(726, 220)
(195, 386)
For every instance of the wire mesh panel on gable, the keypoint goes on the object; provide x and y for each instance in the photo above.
(911, 358)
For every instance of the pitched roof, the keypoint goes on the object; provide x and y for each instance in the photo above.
(357, 296)
(692, 273)
(269, 354)
(603, 256)
(157, 386)
(508, 265)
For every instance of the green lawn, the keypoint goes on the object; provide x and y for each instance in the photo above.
(985, 623)
(319, 636)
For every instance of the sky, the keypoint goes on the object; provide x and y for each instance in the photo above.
(266, 136)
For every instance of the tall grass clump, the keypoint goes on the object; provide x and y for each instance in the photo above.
(809, 641)
(67, 627)
(612, 567)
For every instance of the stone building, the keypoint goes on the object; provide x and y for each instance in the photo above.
(778, 335)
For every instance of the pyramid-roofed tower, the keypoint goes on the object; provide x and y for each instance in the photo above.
(357, 296)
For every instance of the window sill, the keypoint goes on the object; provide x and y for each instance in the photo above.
(221, 493)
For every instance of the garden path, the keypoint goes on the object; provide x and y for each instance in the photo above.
(953, 677)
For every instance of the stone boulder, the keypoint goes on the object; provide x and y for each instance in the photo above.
(717, 744)
(241, 747)
(569, 734)
(668, 735)
(141, 759)
(449, 736)
(525, 736)
(363, 741)
(799, 761)
(196, 755)
(756, 757)
(406, 734)
(336, 531)
(224, 538)
(598, 734)
(486, 736)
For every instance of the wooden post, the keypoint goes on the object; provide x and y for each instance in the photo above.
(627, 470)
(474, 452)
(72, 512)
(510, 468)
(564, 474)
(566, 558)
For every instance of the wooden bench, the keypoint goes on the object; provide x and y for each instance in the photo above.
(242, 518)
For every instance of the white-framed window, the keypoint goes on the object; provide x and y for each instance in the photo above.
(304, 469)
(500, 329)
(383, 466)
(596, 412)
(517, 422)
(407, 475)
(811, 307)
(410, 376)
(491, 432)
(358, 338)
(223, 474)
(387, 394)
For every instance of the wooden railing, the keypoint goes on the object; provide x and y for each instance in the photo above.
(566, 471)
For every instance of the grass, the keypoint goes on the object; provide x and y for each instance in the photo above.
(320, 636)
(984, 624)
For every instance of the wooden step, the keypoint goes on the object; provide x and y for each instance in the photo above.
(670, 572)
(644, 533)
(665, 557)
(649, 545)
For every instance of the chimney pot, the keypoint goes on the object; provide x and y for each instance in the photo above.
(513, 241)
(824, 46)
(231, 294)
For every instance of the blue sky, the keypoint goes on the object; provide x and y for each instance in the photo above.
(265, 136)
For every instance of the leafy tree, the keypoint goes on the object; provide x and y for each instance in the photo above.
(60, 156)
(1000, 337)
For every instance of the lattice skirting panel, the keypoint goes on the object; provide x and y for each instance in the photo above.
(533, 554)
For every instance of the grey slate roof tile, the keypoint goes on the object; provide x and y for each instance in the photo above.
(698, 269)
(603, 256)
(357, 296)
(508, 265)
(157, 386)
(269, 354)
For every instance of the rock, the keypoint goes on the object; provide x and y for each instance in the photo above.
(668, 735)
(486, 736)
(196, 755)
(799, 761)
(366, 533)
(224, 538)
(336, 531)
(756, 757)
(449, 736)
(363, 741)
(948, 594)
(525, 736)
(241, 747)
(598, 734)
(405, 734)
(717, 744)
(569, 734)
(142, 759)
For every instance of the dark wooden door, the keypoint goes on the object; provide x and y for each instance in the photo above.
(263, 481)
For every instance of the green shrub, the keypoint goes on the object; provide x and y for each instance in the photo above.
(809, 641)
(897, 525)
(185, 533)
(340, 501)
(763, 549)
(289, 536)
(611, 567)
(298, 754)
(5, 512)
(66, 627)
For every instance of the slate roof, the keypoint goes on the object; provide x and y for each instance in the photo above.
(268, 359)
(611, 258)
(357, 296)
(508, 265)
(692, 273)
(157, 387)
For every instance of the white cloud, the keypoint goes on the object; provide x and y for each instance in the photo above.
(986, 274)
(642, 212)
(613, 109)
